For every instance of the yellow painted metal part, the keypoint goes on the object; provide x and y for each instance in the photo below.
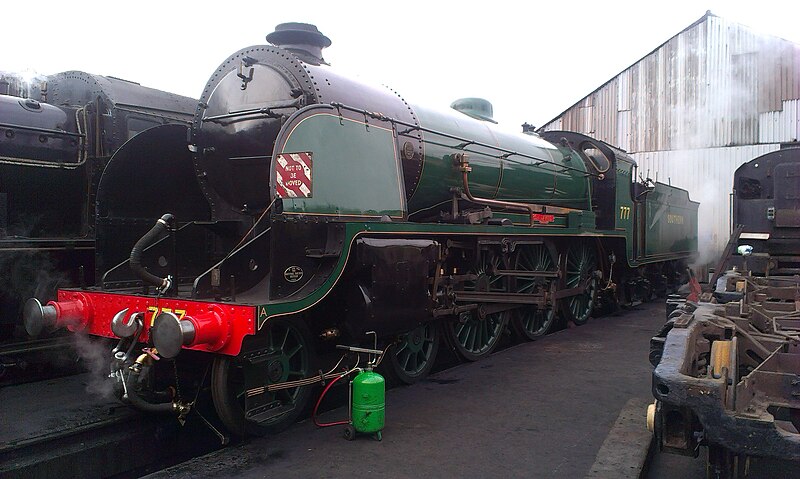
(720, 357)
(651, 416)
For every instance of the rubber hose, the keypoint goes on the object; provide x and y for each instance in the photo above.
(141, 404)
(136, 253)
(319, 401)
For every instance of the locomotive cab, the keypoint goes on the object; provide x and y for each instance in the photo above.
(601, 160)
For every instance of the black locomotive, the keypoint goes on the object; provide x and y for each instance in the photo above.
(727, 365)
(766, 201)
(54, 145)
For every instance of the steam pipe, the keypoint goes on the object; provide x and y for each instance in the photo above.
(148, 239)
(465, 142)
(463, 163)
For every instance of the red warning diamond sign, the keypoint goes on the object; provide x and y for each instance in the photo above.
(293, 175)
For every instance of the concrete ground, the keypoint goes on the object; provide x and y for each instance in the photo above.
(541, 409)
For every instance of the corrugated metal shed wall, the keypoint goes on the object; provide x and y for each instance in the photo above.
(707, 174)
(709, 99)
(715, 84)
(773, 126)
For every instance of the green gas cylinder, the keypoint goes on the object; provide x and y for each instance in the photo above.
(369, 402)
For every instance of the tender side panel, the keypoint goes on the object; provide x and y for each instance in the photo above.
(670, 222)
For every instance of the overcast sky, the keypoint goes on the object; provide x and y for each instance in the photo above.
(532, 60)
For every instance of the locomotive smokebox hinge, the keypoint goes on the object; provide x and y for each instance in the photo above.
(246, 65)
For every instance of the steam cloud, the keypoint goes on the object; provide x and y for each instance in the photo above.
(708, 236)
(97, 357)
(19, 84)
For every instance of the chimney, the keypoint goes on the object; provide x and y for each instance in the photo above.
(302, 39)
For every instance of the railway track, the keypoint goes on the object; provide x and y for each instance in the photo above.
(34, 346)
(53, 453)
(24, 361)
(54, 429)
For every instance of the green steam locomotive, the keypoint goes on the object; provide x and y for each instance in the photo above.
(306, 209)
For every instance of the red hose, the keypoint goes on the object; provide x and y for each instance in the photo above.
(319, 401)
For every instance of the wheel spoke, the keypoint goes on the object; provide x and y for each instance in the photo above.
(414, 353)
(414, 359)
(530, 322)
(295, 350)
(406, 359)
(472, 336)
(462, 332)
(580, 265)
(401, 348)
(285, 337)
